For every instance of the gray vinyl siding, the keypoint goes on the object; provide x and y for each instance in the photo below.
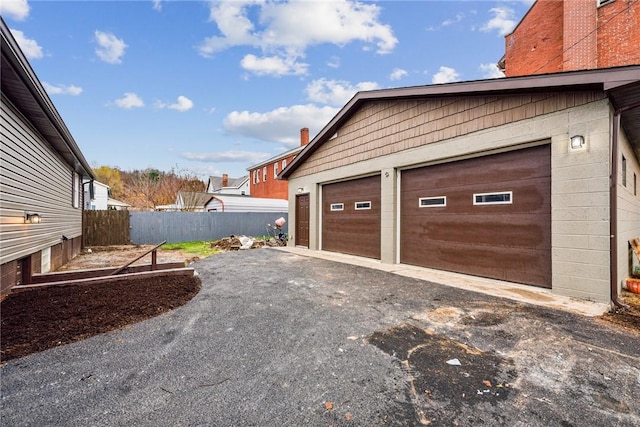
(33, 178)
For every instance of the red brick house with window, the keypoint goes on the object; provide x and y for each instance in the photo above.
(570, 35)
(263, 177)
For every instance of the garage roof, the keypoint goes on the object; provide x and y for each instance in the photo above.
(21, 86)
(622, 85)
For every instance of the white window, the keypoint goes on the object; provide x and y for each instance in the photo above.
(75, 188)
(45, 260)
(432, 202)
(275, 170)
(603, 2)
(337, 207)
(362, 206)
(264, 174)
(498, 198)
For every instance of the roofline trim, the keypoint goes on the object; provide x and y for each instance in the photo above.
(32, 83)
(277, 157)
(597, 79)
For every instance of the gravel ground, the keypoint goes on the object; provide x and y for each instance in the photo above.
(277, 339)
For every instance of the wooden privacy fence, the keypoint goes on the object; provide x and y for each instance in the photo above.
(103, 228)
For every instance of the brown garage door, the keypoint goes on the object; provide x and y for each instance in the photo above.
(488, 216)
(351, 217)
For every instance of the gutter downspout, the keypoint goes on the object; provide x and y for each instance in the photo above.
(221, 202)
(613, 206)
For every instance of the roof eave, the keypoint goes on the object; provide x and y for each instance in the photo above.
(574, 80)
(275, 158)
(66, 145)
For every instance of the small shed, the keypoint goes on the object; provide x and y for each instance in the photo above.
(235, 203)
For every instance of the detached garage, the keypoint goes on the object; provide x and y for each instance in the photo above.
(531, 180)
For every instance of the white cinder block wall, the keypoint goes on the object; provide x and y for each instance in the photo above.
(628, 209)
(580, 205)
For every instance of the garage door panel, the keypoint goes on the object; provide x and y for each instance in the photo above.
(527, 197)
(360, 225)
(350, 230)
(458, 257)
(511, 231)
(510, 241)
(480, 170)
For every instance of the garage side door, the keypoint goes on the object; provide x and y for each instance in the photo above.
(488, 216)
(351, 217)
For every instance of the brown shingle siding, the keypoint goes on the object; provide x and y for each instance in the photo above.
(385, 127)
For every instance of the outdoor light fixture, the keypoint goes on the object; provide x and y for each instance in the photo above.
(32, 218)
(577, 142)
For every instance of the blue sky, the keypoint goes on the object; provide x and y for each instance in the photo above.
(214, 87)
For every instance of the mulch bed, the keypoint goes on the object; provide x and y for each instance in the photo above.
(39, 319)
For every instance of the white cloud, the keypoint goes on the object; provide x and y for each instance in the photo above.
(287, 29)
(62, 89)
(16, 9)
(274, 65)
(445, 75)
(228, 156)
(459, 17)
(334, 62)
(397, 74)
(503, 21)
(129, 100)
(29, 47)
(110, 48)
(335, 92)
(491, 71)
(182, 104)
(280, 125)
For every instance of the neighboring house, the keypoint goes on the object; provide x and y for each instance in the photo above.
(100, 196)
(167, 208)
(234, 203)
(503, 178)
(101, 200)
(264, 175)
(192, 201)
(573, 35)
(42, 171)
(117, 205)
(224, 185)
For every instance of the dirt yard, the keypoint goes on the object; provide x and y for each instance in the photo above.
(58, 316)
(116, 256)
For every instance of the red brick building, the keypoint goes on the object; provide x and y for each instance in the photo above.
(570, 35)
(263, 180)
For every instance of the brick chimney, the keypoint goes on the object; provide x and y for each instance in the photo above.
(304, 136)
(225, 180)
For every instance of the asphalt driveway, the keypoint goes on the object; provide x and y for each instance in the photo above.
(275, 338)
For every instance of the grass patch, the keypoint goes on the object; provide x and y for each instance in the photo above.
(200, 248)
